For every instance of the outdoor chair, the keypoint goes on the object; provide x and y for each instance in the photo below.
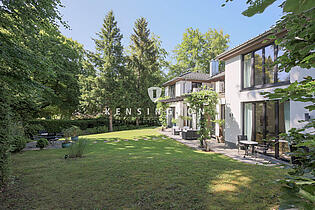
(176, 130)
(264, 147)
(190, 135)
(239, 144)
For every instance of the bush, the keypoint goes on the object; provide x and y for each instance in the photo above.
(92, 126)
(32, 129)
(18, 143)
(57, 126)
(42, 143)
(77, 149)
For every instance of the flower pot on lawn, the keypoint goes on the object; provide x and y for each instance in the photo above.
(66, 144)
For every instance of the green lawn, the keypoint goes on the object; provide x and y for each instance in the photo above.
(153, 174)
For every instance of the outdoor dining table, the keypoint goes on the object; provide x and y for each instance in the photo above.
(249, 143)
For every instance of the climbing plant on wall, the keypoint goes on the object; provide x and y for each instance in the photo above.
(162, 108)
(203, 103)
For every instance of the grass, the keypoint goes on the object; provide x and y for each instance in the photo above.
(146, 174)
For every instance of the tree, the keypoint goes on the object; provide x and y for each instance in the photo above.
(22, 24)
(204, 104)
(197, 49)
(144, 60)
(61, 95)
(105, 93)
(297, 40)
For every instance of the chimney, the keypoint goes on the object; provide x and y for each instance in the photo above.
(214, 67)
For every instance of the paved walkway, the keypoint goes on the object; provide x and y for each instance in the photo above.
(32, 146)
(223, 149)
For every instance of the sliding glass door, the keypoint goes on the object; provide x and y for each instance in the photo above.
(264, 121)
(248, 119)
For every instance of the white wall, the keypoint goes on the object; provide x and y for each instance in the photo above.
(166, 91)
(232, 99)
(297, 110)
(178, 88)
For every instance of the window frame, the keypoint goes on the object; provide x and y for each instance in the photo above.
(252, 80)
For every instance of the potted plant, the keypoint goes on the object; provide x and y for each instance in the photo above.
(75, 132)
(67, 134)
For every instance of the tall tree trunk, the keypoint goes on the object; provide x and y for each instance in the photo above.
(137, 121)
(110, 120)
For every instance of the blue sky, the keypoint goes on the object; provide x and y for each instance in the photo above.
(167, 18)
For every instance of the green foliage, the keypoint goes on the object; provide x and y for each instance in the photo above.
(297, 91)
(77, 149)
(297, 41)
(34, 54)
(105, 90)
(145, 60)
(56, 126)
(18, 143)
(71, 132)
(300, 182)
(196, 50)
(5, 137)
(204, 104)
(162, 108)
(42, 143)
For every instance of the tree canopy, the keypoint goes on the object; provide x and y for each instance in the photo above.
(196, 50)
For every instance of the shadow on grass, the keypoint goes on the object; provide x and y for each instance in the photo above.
(156, 173)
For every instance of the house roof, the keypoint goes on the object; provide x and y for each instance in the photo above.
(255, 43)
(217, 77)
(189, 76)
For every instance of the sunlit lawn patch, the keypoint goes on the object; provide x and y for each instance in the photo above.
(145, 174)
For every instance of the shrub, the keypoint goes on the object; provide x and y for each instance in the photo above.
(42, 143)
(77, 149)
(18, 143)
(32, 129)
(57, 126)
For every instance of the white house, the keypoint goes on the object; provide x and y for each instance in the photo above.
(247, 74)
(189, 82)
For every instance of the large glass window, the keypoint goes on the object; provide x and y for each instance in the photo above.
(258, 67)
(269, 68)
(259, 118)
(262, 67)
(248, 119)
(270, 120)
(247, 70)
(264, 121)
(282, 75)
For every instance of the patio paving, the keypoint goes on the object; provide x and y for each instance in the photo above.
(223, 149)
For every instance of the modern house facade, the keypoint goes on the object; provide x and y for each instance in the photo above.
(177, 88)
(248, 73)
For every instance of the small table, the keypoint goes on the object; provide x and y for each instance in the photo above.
(281, 141)
(249, 143)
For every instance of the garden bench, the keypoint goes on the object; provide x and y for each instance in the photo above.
(51, 137)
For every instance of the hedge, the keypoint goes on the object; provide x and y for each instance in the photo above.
(88, 126)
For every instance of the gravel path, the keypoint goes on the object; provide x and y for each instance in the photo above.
(32, 146)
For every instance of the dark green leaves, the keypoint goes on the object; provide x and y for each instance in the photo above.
(257, 7)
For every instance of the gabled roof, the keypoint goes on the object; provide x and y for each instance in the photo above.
(189, 76)
(217, 77)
